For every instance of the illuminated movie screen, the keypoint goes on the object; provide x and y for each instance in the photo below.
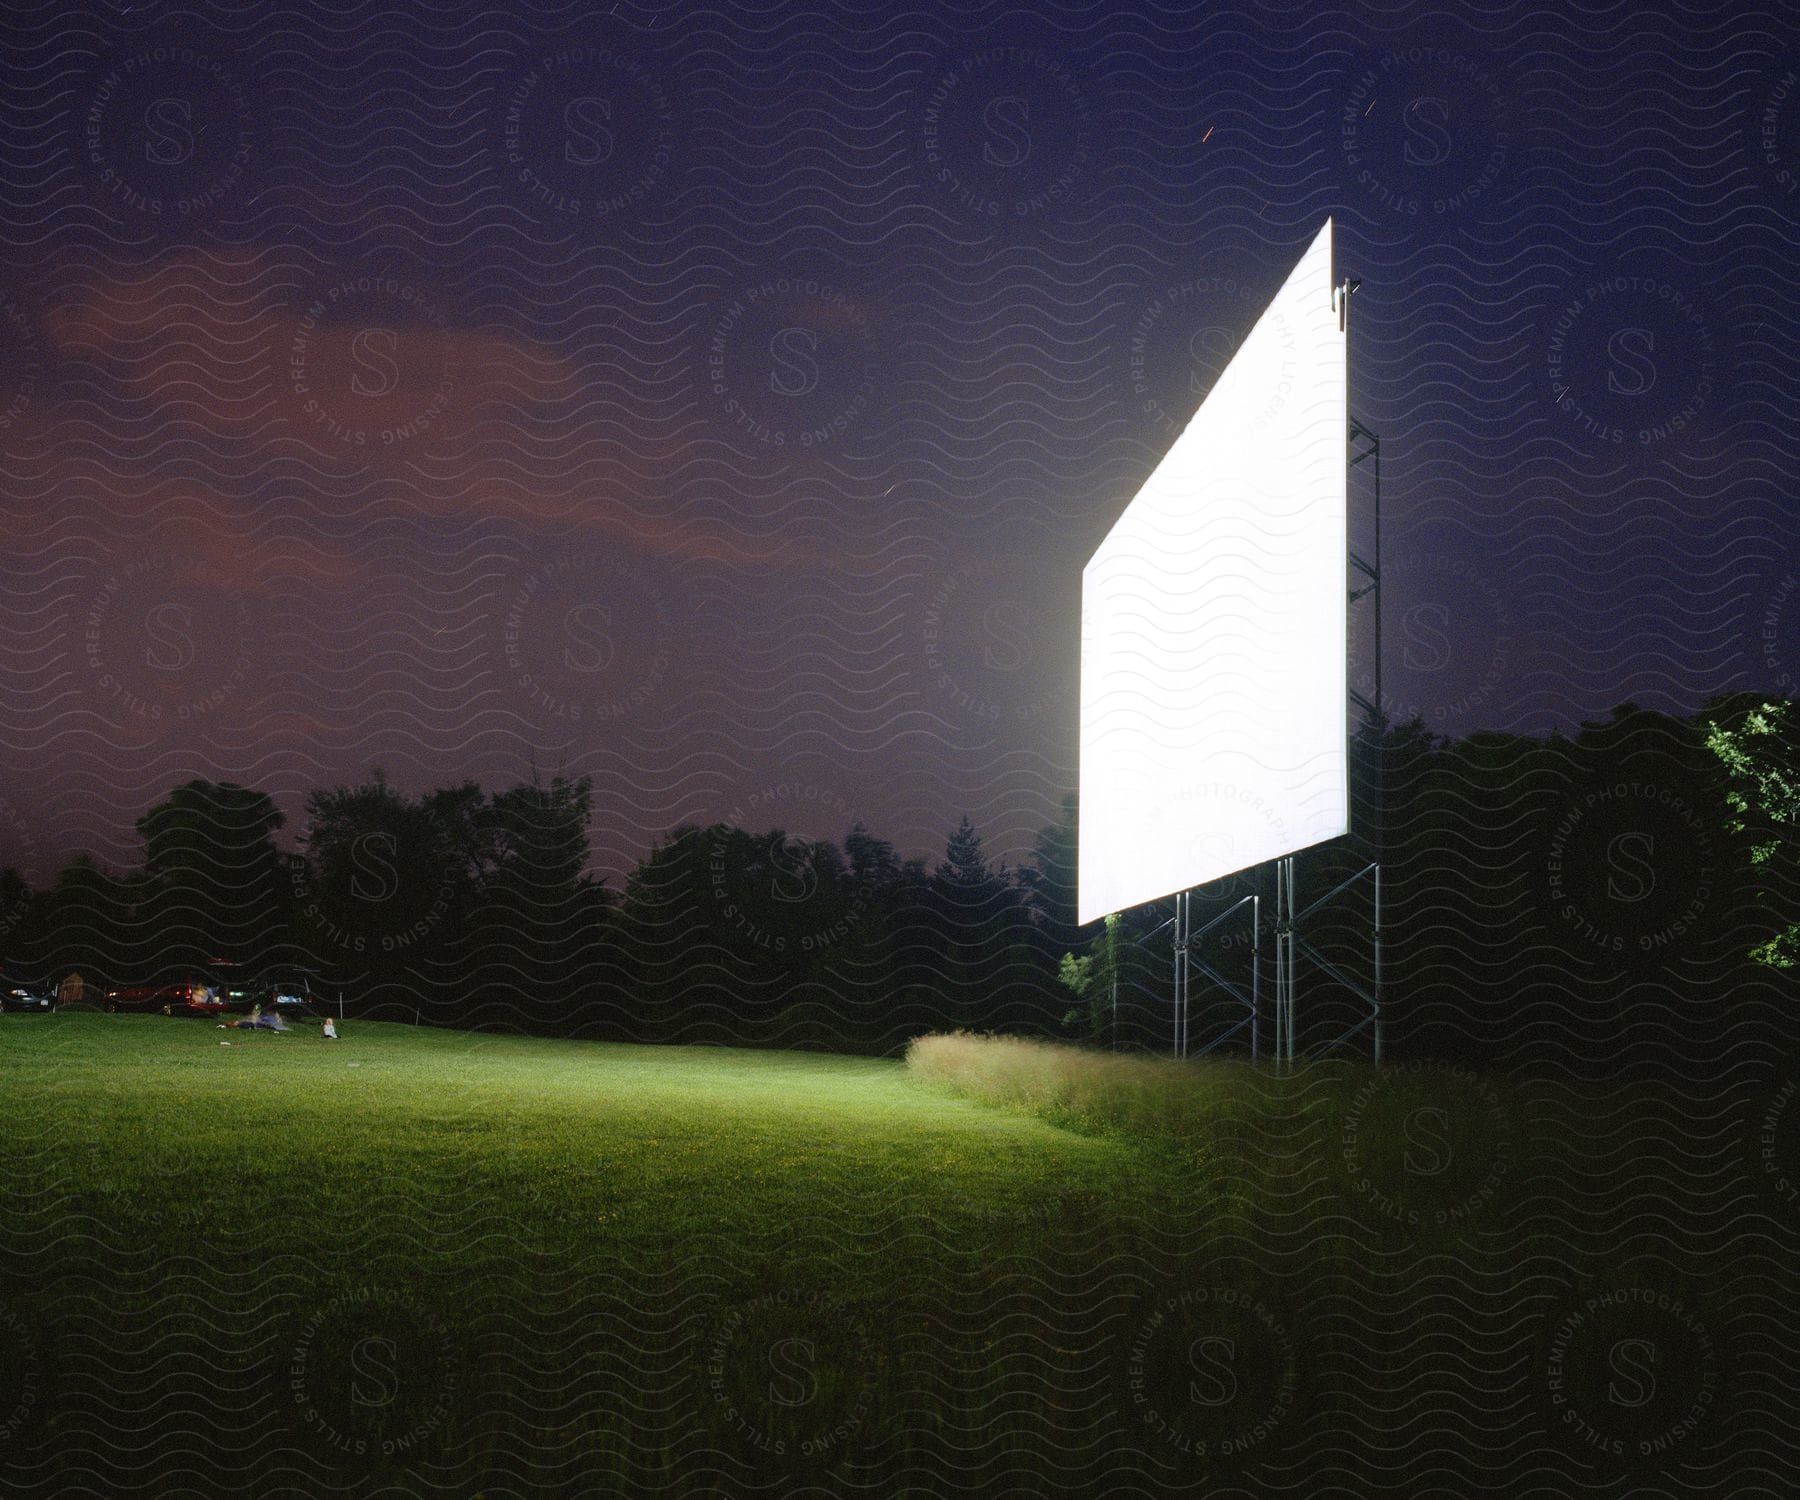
(1213, 685)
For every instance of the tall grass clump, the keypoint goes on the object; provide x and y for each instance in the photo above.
(1418, 1151)
(1161, 1099)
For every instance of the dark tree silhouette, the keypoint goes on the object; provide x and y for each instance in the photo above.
(381, 891)
(212, 887)
(537, 939)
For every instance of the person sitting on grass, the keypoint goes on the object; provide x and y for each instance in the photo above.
(256, 1021)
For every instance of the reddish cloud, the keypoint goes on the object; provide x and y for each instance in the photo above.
(373, 377)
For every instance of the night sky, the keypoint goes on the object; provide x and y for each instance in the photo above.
(722, 402)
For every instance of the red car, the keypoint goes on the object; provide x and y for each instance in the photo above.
(195, 995)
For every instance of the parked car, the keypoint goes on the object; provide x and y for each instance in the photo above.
(142, 996)
(289, 992)
(228, 982)
(18, 994)
(208, 989)
(188, 997)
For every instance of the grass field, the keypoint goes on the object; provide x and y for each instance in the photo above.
(446, 1263)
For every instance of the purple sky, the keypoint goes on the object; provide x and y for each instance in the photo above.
(723, 403)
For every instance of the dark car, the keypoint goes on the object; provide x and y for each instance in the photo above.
(288, 992)
(138, 996)
(17, 994)
(189, 996)
(230, 986)
(197, 990)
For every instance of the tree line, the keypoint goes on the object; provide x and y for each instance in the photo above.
(1594, 896)
(460, 906)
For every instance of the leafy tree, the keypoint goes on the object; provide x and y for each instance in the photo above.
(877, 870)
(464, 825)
(788, 900)
(722, 930)
(537, 835)
(203, 825)
(1094, 978)
(84, 921)
(536, 928)
(211, 887)
(386, 881)
(16, 897)
(1762, 758)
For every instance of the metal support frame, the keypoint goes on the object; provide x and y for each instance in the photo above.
(1361, 446)
(1284, 959)
(1290, 943)
(1178, 1012)
(1370, 453)
(1186, 957)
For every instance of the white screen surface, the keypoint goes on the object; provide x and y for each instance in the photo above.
(1213, 684)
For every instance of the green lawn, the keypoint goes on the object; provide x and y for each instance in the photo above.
(575, 1145)
(571, 1255)
(424, 1262)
